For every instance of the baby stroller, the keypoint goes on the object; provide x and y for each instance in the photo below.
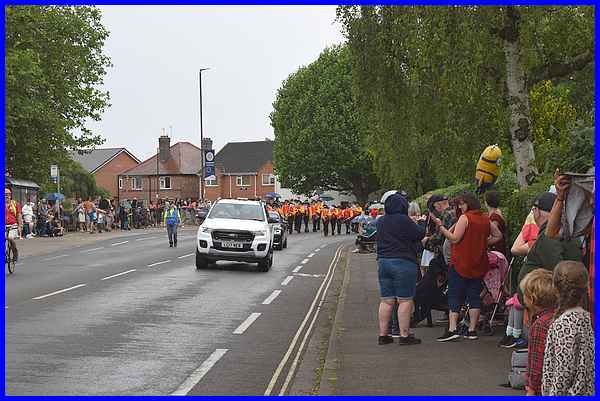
(366, 244)
(493, 296)
(431, 293)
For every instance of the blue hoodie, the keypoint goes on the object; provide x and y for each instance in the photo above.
(397, 234)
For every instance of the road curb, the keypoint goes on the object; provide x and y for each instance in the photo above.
(327, 386)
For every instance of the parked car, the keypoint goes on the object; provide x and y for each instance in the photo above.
(236, 230)
(279, 231)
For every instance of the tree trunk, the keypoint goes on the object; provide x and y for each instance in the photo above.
(518, 101)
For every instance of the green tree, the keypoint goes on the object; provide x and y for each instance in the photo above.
(54, 67)
(319, 134)
(445, 82)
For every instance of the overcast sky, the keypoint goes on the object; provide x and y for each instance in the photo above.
(157, 51)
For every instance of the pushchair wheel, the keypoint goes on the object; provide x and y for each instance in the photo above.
(486, 329)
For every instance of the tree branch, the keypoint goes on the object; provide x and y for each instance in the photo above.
(559, 70)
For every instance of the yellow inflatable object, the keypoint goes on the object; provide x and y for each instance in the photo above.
(488, 167)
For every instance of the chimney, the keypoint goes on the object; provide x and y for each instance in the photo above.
(206, 144)
(164, 144)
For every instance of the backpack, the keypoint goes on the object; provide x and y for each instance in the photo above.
(518, 369)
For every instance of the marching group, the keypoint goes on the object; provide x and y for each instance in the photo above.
(319, 215)
(548, 307)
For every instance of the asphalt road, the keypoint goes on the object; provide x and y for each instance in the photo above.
(131, 316)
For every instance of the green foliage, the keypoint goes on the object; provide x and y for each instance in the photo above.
(54, 68)
(431, 82)
(75, 182)
(319, 135)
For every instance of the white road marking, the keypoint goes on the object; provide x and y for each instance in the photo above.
(285, 358)
(144, 239)
(287, 280)
(55, 257)
(317, 250)
(59, 292)
(159, 263)
(242, 327)
(199, 373)
(305, 261)
(92, 250)
(119, 274)
(185, 256)
(310, 255)
(119, 243)
(271, 297)
(308, 275)
(297, 269)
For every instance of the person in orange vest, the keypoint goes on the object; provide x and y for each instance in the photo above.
(348, 218)
(289, 215)
(298, 217)
(305, 215)
(325, 218)
(339, 219)
(318, 209)
(333, 218)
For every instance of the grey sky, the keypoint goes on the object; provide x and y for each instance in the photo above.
(157, 51)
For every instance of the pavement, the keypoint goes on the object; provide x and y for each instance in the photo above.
(352, 363)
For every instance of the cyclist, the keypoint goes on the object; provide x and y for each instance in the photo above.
(12, 216)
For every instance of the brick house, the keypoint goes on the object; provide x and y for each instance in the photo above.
(171, 174)
(243, 170)
(105, 165)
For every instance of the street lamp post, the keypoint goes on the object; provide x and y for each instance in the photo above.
(201, 138)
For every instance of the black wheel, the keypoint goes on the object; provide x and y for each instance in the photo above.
(10, 258)
(201, 261)
(265, 264)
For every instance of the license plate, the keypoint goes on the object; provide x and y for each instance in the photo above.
(232, 244)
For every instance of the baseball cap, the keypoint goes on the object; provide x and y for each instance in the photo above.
(387, 195)
(545, 201)
(435, 198)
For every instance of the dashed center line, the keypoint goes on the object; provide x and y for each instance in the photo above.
(144, 239)
(199, 373)
(271, 297)
(317, 250)
(287, 280)
(92, 250)
(159, 263)
(242, 327)
(119, 274)
(305, 261)
(55, 257)
(310, 255)
(119, 243)
(59, 291)
(185, 256)
(297, 269)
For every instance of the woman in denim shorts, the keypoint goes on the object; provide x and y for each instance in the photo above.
(398, 238)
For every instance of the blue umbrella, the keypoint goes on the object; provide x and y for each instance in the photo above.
(360, 219)
(55, 196)
(273, 195)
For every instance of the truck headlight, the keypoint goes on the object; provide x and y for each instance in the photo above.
(261, 233)
(207, 230)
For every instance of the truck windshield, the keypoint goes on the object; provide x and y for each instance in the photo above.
(237, 212)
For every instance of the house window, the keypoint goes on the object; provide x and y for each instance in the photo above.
(211, 183)
(120, 183)
(136, 183)
(242, 180)
(268, 179)
(165, 182)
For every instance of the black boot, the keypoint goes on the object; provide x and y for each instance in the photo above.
(170, 245)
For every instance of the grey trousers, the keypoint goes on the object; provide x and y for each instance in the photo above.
(172, 233)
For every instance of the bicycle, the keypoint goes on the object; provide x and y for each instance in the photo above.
(10, 249)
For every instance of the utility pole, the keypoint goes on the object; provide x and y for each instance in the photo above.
(201, 138)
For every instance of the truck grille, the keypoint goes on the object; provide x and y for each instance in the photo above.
(233, 235)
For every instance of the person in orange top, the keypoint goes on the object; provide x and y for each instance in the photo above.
(290, 217)
(348, 214)
(314, 215)
(333, 219)
(305, 215)
(325, 218)
(298, 217)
